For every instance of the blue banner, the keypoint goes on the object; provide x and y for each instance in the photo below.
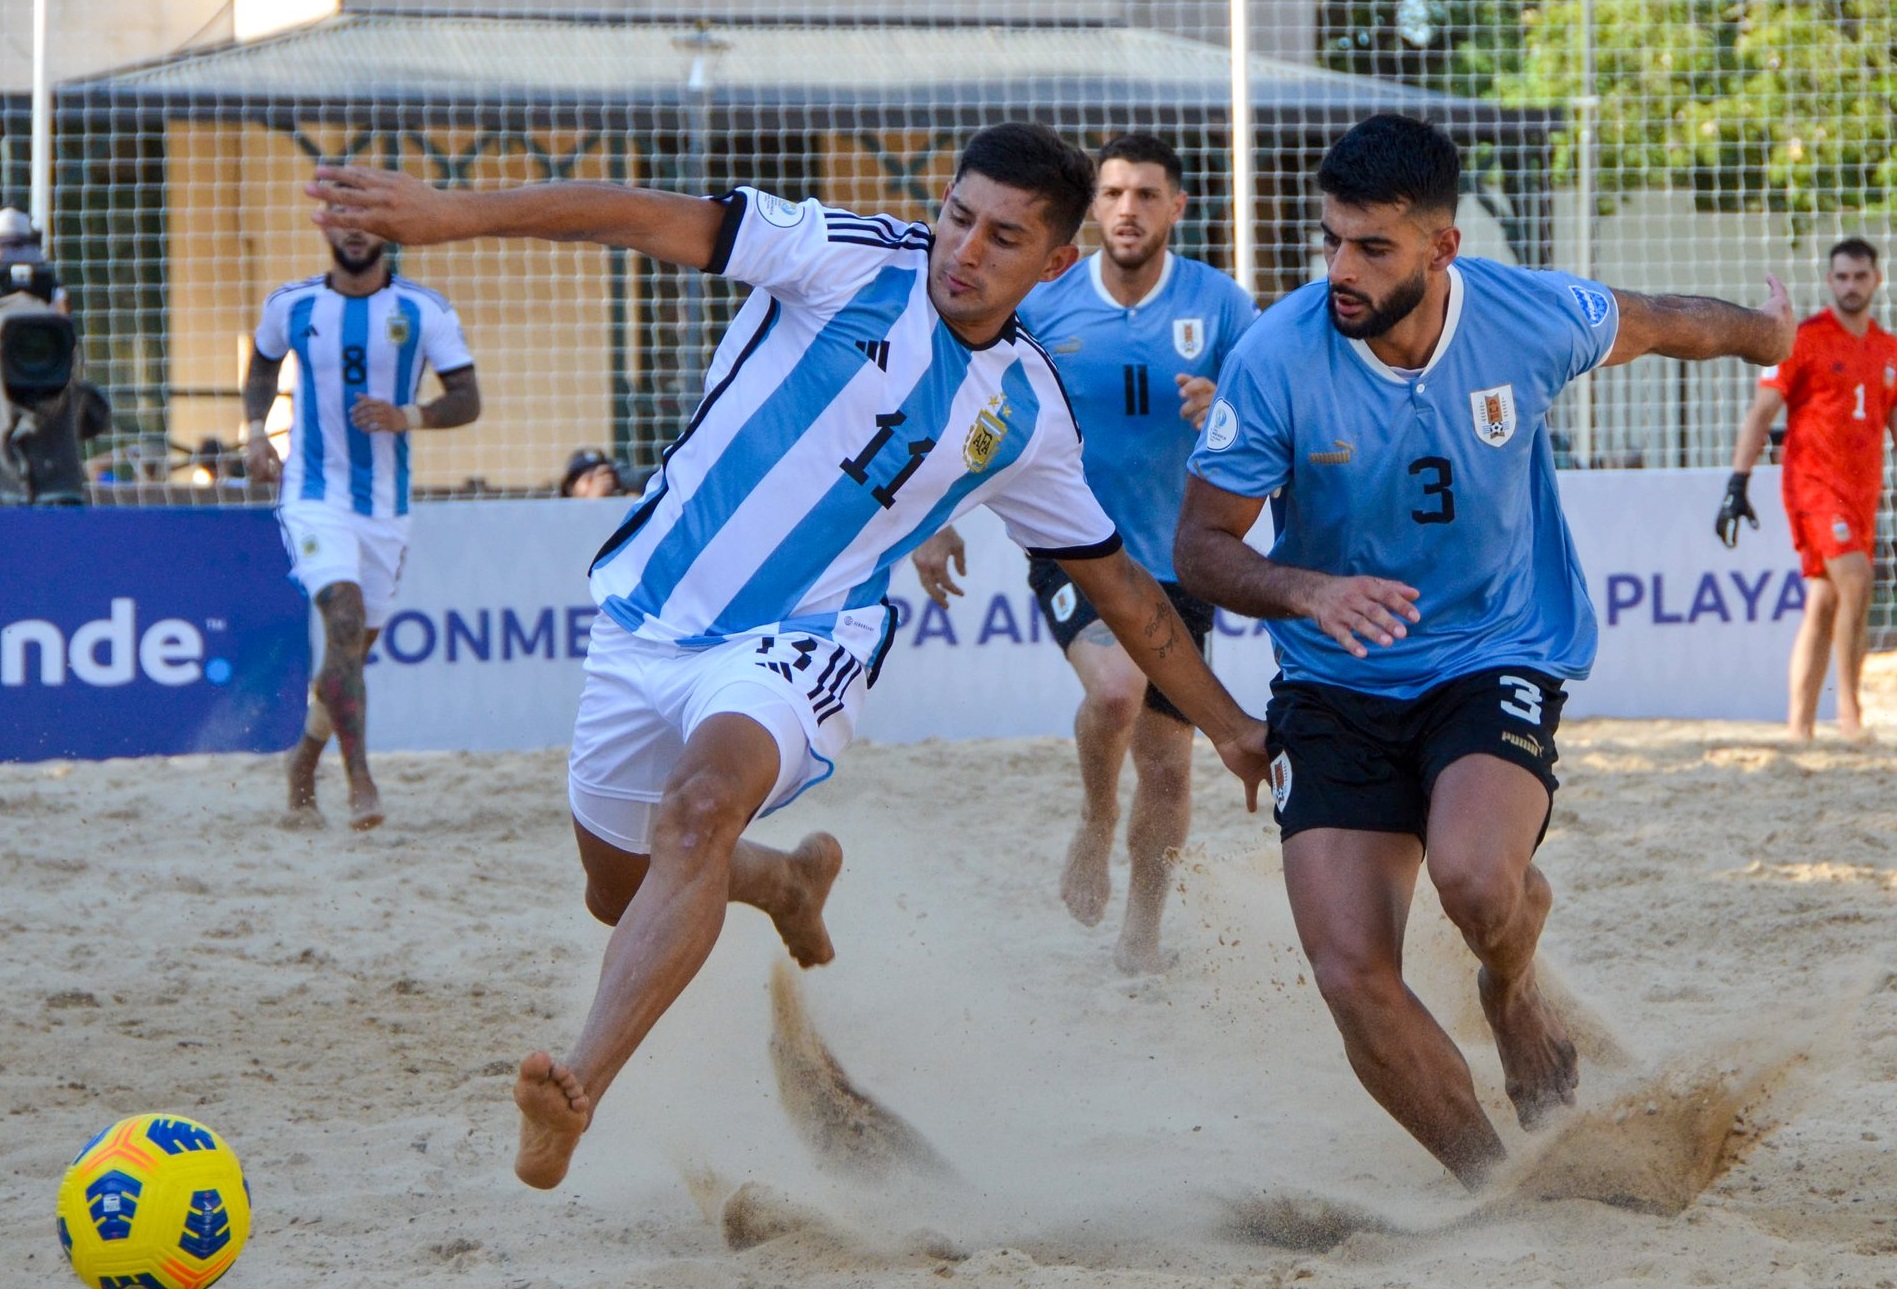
(148, 633)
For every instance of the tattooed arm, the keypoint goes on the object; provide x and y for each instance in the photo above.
(1142, 618)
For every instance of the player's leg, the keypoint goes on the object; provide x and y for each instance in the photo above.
(663, 937)
(787, 886)
(1155, 830)
(1162, 803)
(307, 755)
(1485, 818)
(1113, 692)
(1351, 807)
(339, 687)
(1850, 578)
(1350, 896)
(1811, 655)
(674, 753)
(1487, 746)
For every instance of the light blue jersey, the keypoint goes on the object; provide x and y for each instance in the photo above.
(349, 346)
(1443, 480)
(843, 423)
(1119, 364)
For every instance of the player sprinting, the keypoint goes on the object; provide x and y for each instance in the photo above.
(1426, 598)
(1839, 392)
(361, 336)
(873, 386)
(1137, 334)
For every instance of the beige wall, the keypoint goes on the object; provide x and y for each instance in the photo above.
(536, 314)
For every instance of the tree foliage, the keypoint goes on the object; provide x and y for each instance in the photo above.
(1784, 105)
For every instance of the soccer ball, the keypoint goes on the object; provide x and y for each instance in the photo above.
(154, 1202)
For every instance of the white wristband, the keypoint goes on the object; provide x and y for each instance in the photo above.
(412, 413)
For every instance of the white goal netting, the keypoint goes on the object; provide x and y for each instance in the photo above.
(1679, 145)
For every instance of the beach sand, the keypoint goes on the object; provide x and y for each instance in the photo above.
(348, 1011)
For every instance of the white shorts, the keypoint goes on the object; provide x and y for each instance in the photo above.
(643, 700)
(328, 545)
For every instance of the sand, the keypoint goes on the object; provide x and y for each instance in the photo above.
(348, 1011)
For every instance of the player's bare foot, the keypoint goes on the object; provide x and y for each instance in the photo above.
(813, 866)
(1539, 1067)
(554, 1111)
(1085, 883)
(365, 805)
(300, 769)
(1138, 950)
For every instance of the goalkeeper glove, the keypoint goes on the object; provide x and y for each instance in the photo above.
(1734, 508)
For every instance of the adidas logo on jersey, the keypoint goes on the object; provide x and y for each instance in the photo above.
(877, 351)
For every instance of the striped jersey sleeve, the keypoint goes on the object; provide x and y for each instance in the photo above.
(806, 253)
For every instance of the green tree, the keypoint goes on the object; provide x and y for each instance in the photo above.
(1784, 105)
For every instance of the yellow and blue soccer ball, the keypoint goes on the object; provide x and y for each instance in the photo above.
(154, 1202)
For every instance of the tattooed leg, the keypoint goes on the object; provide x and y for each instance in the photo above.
(339, 687)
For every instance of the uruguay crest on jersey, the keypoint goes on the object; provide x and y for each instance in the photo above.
(1493, 411)
(1188, 337)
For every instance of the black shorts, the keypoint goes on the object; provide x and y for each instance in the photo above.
(1341, 758)
(1068, 613)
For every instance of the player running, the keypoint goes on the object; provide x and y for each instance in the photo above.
(1840, 390)
(361, 337)
(874, 386)
(1426, 598)
(1126, 326)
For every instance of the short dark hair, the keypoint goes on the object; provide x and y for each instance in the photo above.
(1034, 159)
(1144, 150)
(1857, 248)
(1389, 159)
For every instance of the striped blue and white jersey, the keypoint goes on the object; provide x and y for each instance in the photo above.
(349, 346)
(843, 423)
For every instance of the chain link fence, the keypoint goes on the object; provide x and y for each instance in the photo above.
(1659, 145)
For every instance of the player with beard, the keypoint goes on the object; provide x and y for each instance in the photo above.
(1839, 391)
(1125, 326)
(1425, 599)
(361, 336)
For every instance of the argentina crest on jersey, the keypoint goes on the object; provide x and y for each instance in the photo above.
(985, 435)
(1493, 411)
(1188, 337)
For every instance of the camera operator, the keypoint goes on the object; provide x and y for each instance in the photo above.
(44, 412)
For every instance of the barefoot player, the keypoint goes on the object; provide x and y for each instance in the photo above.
(361, 336)
(1839, 394)
(1138, 335)
(873, 386)
(1427, 601)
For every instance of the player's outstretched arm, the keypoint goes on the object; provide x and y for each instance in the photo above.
(1215, 564)
(667, 226)
(1696, 327)
(1142, 618)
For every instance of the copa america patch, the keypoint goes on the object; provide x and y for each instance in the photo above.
(1221, 428)
(1493, 411)
(1594, 304)
(1063, 602)
(1281, 779)
(784, 214)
